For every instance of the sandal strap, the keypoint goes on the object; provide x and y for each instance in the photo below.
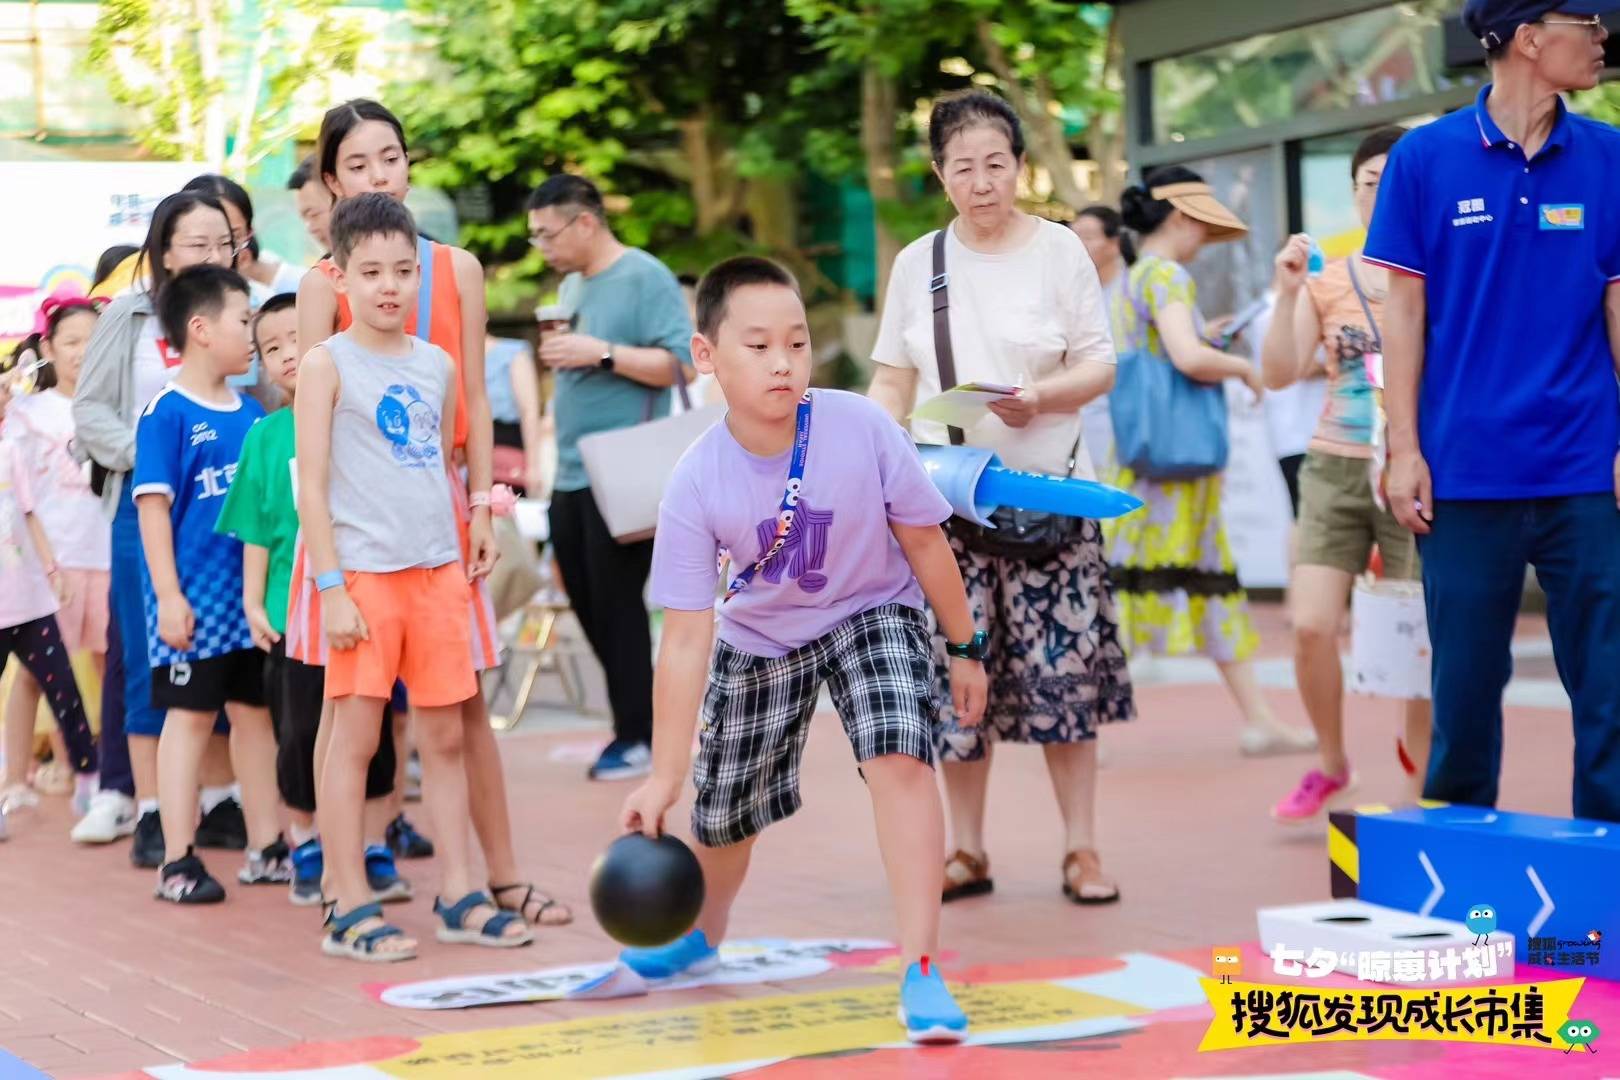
(342, 924)
(528, 894)
(496, 925)
(976, 868)
(454, 915)
(369, 939)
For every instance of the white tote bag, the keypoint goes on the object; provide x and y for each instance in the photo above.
(629, 468)
(1389, 639)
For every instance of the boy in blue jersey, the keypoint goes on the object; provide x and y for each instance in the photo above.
(198, 639)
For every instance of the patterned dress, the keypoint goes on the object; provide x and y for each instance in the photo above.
(1173, 573)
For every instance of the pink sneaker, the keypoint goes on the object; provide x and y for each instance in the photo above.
(1307, 800)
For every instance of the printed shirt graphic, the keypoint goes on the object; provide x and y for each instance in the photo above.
(861, 474)
(411, 425)
(1346, 425)
(188, 450)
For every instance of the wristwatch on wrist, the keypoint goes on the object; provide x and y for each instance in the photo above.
(976, 649)
(606, 363)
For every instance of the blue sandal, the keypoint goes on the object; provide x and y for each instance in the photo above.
(491, 935)
(343, 939)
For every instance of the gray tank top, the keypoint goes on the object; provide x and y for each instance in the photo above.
(388, 485)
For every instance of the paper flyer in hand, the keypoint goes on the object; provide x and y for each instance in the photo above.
(965, 405)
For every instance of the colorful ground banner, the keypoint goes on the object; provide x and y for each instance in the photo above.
(766, 960)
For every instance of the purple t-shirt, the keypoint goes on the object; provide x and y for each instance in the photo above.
(861, 473)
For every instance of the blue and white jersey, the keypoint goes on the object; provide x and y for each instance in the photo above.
(187, 449)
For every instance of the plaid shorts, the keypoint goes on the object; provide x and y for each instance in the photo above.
(878, 665)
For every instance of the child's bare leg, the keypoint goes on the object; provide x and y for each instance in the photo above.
(378, 813)
(180, 751)
(491, 819)
(911, 833)
(351, 729)
(439, 741)
(216, 763)
(143, 762)
(402, 757)
(253, 758)
(22, 706)
(724, 869)
(1419, 715)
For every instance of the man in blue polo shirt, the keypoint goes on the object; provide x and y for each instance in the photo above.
(1502, 222)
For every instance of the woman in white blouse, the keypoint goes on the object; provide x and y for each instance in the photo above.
(1025, 307)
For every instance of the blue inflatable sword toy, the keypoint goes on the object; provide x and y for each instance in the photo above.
(976, 484)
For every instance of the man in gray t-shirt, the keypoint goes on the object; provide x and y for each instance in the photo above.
(632, 331)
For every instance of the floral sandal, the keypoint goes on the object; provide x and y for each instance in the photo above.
(343, 936)
(1083, 880)
(549, 911)
(966, 876)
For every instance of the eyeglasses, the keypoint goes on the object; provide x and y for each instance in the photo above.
(540, 236)
(1592, 24)
(201, 249)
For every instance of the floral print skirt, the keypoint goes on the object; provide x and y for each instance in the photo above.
(1173, 572)
(1056, 668)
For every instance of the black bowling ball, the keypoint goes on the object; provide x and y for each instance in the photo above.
(645, 892)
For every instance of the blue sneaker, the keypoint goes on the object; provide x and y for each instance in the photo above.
(689, 955)
(386, 884)
(405, 842)
(621, 760)
(307, 865)
(927, 1010)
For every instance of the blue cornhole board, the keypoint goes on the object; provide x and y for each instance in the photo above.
(1546, 877)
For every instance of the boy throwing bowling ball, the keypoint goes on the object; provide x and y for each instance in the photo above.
(832, 531)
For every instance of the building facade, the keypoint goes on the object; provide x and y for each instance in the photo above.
(1267, 100)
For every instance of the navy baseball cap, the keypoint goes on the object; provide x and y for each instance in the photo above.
(1495, 21)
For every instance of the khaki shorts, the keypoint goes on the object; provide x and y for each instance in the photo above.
(1339, 522)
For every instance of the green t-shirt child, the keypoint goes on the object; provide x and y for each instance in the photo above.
(260, 508)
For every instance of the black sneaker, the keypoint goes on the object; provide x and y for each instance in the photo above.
(405, 842)
(147, 849)
(270, 866)
(187, 881)
(223, 827)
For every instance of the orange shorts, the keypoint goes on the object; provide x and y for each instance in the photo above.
(418, 632)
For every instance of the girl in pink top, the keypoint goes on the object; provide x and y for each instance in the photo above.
(31, 588)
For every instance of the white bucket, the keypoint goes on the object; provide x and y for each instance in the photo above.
(1389, 639)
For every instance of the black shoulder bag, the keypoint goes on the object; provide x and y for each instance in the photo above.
(1034, 536)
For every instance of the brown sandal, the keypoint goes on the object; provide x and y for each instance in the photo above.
(1082, 871)
(532, 897)
(966, 876)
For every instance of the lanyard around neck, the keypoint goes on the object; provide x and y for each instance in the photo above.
(790, 498)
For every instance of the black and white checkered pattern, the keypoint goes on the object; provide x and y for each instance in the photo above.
(879, 668)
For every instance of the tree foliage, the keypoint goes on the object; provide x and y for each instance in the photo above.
(212, 81)
(702, 119)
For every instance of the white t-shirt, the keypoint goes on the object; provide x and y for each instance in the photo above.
(285, 280)
(155, 363)
(40, 427)
(1292, 412)
(1017, 315)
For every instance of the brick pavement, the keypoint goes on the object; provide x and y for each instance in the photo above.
(97, 977)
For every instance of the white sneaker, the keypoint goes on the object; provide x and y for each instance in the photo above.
(1259, 740)
(111, 815)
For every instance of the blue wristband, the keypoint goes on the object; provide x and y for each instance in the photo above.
(329, 580)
